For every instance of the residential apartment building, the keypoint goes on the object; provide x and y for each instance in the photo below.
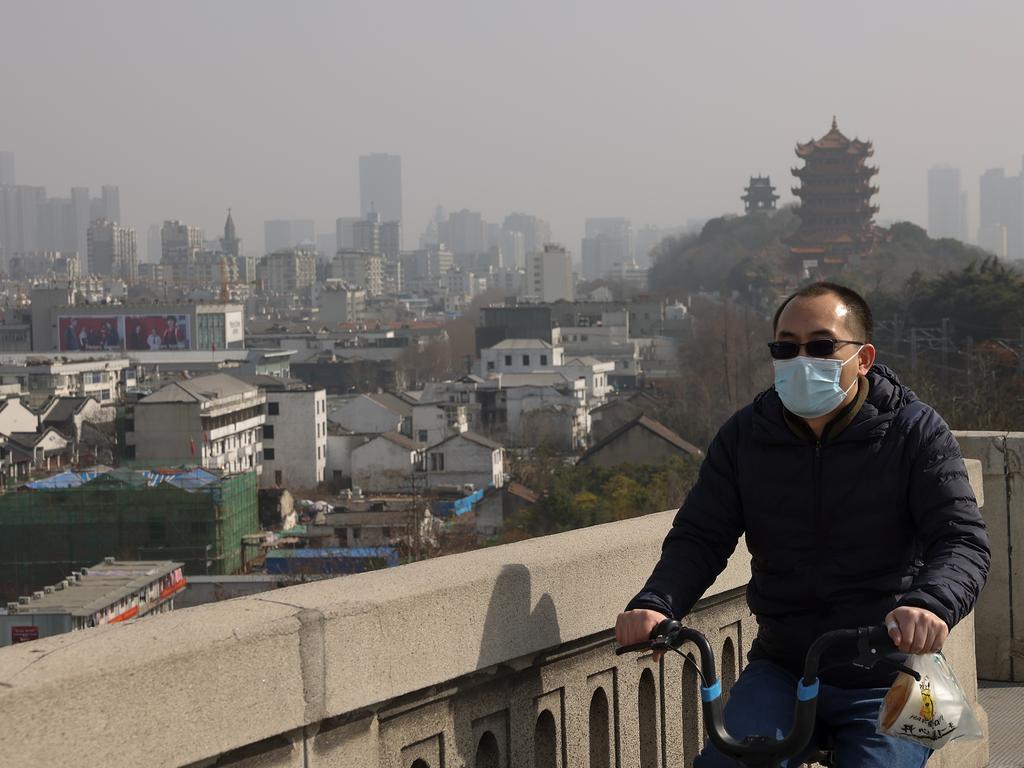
(549, 274)
(294, 435)
(112, 251)
(361, 268)
(214, 421)
(105, 380)
(288, 271)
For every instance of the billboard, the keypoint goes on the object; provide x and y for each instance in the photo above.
(234, 328)
(157, 332)
(90, 333)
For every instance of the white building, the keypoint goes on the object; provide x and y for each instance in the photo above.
(549, 274)
(594, 372)
(374, 413)
(112, 250)
(361, 268)
(387, 463)
(294, 435)
(215, 422)
(464, 459)
(520, 356)
(342, 302)
(41, 379)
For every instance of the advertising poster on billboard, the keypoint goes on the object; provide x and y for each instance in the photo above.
(92, 333)
(157, 332)
(234, 329)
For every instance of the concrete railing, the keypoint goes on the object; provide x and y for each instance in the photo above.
(499, 657)
(1000, 612)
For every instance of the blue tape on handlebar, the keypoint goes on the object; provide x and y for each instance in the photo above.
(806, 692)
(712, 692)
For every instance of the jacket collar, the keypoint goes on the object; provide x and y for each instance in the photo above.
(886, 396)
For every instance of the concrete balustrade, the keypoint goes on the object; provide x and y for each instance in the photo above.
(999, 614)
(499, 657)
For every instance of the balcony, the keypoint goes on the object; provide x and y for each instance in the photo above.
(497, 657)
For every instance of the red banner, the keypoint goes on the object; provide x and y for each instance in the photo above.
(91, 333)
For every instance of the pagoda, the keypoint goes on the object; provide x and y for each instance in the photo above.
(836, 214)
(760, 195)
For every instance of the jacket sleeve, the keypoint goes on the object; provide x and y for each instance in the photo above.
(703, 534)
(949, 526)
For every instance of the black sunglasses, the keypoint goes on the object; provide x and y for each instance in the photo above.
(787, 350)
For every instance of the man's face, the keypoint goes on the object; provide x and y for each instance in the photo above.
(826, 317)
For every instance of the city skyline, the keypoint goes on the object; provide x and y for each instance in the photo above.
(681, 146)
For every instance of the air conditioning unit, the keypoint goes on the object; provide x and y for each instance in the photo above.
(24, 600)
(12, 607)
(38, 595)
(357, 492)
(48, 589)
(108, 560)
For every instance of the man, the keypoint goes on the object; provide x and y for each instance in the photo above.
(857, 511)
(173, 335)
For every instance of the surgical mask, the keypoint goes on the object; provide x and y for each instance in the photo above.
(809, 386)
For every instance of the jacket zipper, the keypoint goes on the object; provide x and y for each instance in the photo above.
(816, 488)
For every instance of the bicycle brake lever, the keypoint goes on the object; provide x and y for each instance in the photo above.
(868, 657)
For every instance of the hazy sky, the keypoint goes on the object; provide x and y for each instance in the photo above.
(656, 111)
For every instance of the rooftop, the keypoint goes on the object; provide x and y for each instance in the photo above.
(99, 587)
(214, 386)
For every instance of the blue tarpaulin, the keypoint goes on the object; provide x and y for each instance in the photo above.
(68, 479)
(328, 560)
(459, 506)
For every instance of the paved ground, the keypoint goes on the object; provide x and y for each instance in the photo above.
(1004, 703)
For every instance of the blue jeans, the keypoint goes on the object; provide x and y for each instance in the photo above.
(761, 702)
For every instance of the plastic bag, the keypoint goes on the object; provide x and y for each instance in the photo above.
(932, 711)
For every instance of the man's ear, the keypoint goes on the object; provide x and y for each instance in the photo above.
(865, 359)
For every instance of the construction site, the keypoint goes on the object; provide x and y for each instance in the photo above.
(74, 519)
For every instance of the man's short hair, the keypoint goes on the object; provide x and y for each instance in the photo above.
(860, 312)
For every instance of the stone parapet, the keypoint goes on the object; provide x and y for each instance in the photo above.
(498, 657)
(998, 615)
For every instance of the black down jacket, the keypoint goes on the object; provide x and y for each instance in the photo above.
(840, 532)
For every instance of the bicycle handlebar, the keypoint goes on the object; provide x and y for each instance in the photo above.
(873, 643)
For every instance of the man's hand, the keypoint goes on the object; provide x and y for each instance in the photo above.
(916, 630)
(636, 626)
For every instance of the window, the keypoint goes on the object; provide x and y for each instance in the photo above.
(508, 359)
(543, 359)
(385, 532)
(268, 454)
(437, 462)
(526, 359)
(278, 477)
(422, 437)
(273, 409)
(268, 431)
(490, 367)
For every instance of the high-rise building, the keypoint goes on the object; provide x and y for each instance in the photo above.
(154, 250)
(549, 274)
(110, 197)
(360, 268)
(366, 233)
(282, 234)
(992, 211)
(81, 214)
(513, 249)
(288, 271)
(536, 232)
(380, 186)
(343, 230)
(947, 204)
(6, 169)
(391, 239)
(179, 244)
(607, 242)
(466, 233)
(231, 244)
(112, 250)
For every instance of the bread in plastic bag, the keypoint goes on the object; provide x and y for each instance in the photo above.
(932, 711)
